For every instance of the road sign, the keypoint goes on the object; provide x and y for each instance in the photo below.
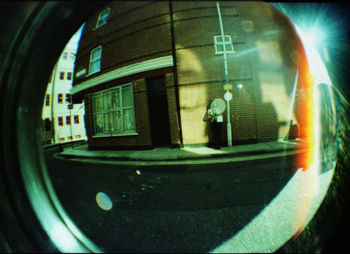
(228, 96)
(228, 87)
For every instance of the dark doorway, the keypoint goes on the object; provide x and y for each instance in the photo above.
(158, 110)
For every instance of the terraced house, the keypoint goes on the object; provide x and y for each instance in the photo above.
(147, 72)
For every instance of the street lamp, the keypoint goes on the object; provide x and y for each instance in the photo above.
(227, 86)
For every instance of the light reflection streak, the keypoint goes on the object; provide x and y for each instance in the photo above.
(292, 101)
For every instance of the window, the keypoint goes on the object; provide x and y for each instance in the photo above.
(77, 136)
(47, 100)
(68, 98)
(221, 45)
(67, 120)
(60, 121)
(61, 139)
(95, 60)
(61, 75)
(64, 55)
(69, 137)
(113, 110)
(60, 98)
(72, 56)
(76, 119)
(69, 76)
(102, 18)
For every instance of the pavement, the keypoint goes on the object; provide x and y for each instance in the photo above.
(167, 154)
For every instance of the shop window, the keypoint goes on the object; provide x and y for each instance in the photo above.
(76, 119)
(47, 100)
(95, 60)
(60, 98)
(102, 18)
(60, 121)
(61, 139)
(223, 43)
(77, 136)
(61, 75)
(113, 110)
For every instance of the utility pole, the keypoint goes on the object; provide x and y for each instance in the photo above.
(227, 95)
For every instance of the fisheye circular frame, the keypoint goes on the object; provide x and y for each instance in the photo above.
(30, 46)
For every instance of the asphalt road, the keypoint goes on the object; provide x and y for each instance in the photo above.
(167, 208)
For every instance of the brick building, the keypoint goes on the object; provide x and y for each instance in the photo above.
(147, 71)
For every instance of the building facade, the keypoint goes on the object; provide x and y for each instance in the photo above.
(147, 72)
(63, 123)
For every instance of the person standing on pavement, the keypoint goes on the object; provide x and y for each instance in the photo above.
(215, 126)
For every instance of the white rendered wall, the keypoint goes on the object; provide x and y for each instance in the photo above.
(57, 86)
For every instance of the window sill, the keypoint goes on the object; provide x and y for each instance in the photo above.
(134, 133)
(227, 52)
(91, 74)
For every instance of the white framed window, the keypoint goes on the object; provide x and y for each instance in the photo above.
(95, 60)
(47, 100)
(103, 18)
(68, 120)
(60, 98)
(223, 43)
(60, 121)
(69, 75)
(76, 119)
(113, 111)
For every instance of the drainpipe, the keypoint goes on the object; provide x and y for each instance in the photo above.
(176, 84)
(228, 126)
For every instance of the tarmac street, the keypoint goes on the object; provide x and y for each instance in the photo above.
(167, 207)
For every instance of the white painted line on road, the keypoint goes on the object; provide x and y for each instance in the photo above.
(184, 162)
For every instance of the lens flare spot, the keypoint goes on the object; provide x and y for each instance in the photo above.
(104, 201)
(138, 172)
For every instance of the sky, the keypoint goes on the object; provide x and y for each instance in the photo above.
(329, 23)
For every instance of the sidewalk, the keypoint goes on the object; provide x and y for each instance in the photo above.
(185, 153)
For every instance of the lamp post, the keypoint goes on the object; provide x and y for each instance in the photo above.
(227, 85)
(228, 97)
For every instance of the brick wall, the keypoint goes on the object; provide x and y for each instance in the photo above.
(263, 62)
(136, 31)
(264, 42)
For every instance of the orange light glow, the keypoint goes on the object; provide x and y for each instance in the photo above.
(305, 113)
(305, 110)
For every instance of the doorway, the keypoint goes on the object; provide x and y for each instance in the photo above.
(158, 110)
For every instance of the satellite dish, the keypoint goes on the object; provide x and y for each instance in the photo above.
(218, 106)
